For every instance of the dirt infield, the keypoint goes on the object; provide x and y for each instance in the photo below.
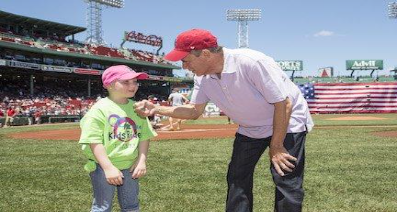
(386, 134)
(187, 132)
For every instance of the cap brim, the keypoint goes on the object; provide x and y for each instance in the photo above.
(132, 75)
(176, 55)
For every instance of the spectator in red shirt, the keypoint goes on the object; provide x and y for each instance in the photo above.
(10, 116)
(1, 115)
(37, 116)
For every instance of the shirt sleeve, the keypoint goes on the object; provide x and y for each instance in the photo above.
(269, 80)
(147, 131)
(198, 94)
(92, 129)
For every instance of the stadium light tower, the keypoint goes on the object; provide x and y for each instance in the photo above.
(242, 16)
(393, 10)
(94, 18)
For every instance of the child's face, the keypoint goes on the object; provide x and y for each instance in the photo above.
(125, 88)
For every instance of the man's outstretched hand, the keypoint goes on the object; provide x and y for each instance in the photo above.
(144, 108)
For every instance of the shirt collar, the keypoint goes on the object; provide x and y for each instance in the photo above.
(226, 69)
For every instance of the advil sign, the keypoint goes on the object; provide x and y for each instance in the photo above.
(364, 64)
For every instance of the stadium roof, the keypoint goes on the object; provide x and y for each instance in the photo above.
(86, 56)
(39, 24)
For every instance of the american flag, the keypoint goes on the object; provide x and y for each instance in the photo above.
(351, 97)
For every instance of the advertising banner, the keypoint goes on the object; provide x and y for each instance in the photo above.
(19, 64)
(87, 71)
(326, 72)
(154, 77)
(172, 79)
(364, 64)
(211, 110)
(291, 65)
(138, 37)
(57, 68)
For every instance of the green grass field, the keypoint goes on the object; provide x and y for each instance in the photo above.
(347, 169)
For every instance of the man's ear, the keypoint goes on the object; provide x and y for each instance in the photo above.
(206, 53)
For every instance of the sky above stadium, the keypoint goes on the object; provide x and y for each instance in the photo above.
(320, 33)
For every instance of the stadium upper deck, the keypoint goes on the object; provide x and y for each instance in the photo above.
(50, 38)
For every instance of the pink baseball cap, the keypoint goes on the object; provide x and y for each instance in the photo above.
(194, 39)
(120, 72)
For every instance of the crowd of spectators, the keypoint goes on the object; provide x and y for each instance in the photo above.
(52, 98)
(34, 107)
(37, 106)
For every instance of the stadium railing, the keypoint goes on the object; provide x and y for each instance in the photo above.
(62, 119)
(24, 120)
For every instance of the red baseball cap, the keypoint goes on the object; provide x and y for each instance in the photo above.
(194, 39)
(120, 72)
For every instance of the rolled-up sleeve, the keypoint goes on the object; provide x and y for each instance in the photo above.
(198, 94)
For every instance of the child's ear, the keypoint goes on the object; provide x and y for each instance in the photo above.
(110, 86)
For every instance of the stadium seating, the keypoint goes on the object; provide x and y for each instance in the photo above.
(59, 44)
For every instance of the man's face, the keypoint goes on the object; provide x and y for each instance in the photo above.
(198, 65)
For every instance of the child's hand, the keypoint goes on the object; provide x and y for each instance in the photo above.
(139, 169)
(114, 176)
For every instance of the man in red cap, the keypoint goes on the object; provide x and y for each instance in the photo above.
(251, 89)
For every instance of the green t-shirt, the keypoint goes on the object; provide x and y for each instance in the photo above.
(118, 128)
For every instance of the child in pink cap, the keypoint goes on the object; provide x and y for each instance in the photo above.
(116, 141)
